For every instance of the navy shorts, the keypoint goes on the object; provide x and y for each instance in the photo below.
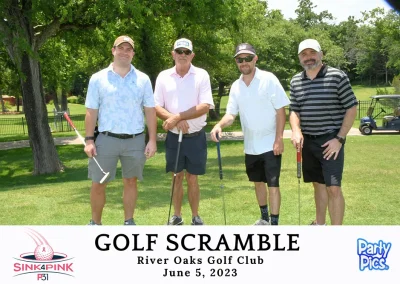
(265, 168)
(192, 154)
(315, 167)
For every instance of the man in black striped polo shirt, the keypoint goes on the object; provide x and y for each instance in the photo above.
(323, 108)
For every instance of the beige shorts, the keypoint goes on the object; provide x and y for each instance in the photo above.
(110, 149)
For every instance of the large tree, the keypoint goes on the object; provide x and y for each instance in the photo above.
(25, 25)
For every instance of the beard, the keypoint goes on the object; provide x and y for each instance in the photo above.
(311, 64)
(246, 69)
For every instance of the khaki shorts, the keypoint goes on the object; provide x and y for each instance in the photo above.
(110, 149)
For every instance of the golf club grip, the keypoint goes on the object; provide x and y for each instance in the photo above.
(69, 120)
(298, 163)
(180, 136)
(219, 161)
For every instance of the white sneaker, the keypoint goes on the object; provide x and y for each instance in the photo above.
(262, 222)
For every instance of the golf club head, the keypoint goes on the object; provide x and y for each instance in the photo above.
(105, 177)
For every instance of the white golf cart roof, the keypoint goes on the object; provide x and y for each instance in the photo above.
(386, 97)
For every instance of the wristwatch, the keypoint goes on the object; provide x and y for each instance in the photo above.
(89, 138)
(341, 139)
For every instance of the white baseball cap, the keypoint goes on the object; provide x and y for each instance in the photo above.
(309, 43)
(183, 42)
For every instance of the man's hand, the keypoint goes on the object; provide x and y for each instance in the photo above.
(151, 149)
(90, 149)
(216, 131)
(278, 146)
(183, 125)
(171, 122)
(297, 139)
(332, 149)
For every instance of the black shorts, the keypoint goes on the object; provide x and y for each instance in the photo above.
(192, 154)
(265, 167)
(315, 167)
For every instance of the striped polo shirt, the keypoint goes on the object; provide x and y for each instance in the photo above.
(322, 102)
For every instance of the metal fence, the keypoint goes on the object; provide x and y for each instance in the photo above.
(17, 126)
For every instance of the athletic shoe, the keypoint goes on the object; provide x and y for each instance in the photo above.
(314, 223)
(197, 221)
(129, 222)
(175, 221)
(262, 222)
(92, 223)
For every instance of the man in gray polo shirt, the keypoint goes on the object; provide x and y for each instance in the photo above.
(323, 108)
(117, 96)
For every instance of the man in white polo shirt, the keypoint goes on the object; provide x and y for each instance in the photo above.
(183, 98)
(259, 99)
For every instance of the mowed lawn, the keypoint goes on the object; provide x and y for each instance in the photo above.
(370, 184)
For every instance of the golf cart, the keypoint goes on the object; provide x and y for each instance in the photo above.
(389, 122)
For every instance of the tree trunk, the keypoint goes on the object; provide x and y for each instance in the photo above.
(3, 108)
(53, 94)
(45, 155)
(64, 102)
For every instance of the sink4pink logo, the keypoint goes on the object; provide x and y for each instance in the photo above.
(43, 261)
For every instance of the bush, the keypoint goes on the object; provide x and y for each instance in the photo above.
(383, 91)
(72, 99)
(396, 84)
(80, 100)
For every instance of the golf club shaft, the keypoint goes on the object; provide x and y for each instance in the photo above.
(82, 139)
(221, 176)
(175, 170)
(299, 174)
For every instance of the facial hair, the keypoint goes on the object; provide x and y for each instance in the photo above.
(314, 64)
(245, 69)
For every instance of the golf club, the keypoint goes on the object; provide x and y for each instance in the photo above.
(299, 173)
(175, 170)
(84, 143)
(221, 176)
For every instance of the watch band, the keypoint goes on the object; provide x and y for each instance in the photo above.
(89, 138)
(341, 139)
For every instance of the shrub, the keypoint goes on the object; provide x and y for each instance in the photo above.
(396, 84)
(72, 99)
(80, 100)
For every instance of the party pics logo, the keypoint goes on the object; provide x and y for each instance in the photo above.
(373, 256)
(43, 261)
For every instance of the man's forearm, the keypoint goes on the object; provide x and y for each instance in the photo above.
(280, 122)
(90, 121)
(348, 121)
(151, 120)
(294, 120)
(226, 120)
(194, 112)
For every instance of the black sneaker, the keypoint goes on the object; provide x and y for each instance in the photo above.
(130, 222)
(197, 221)
(175, 221)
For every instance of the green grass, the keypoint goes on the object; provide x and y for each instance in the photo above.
(370, 186)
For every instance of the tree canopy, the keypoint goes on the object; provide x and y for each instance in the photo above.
(54, 46)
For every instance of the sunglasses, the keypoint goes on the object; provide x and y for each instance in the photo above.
(241, 59)
(181, 51)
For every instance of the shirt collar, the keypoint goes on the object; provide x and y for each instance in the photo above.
(192, 70)
(110, 69)
(321, 72)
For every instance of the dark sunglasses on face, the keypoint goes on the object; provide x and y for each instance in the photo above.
(186, 51)
(241, 59)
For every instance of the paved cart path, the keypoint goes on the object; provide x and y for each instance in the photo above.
(161, 136)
